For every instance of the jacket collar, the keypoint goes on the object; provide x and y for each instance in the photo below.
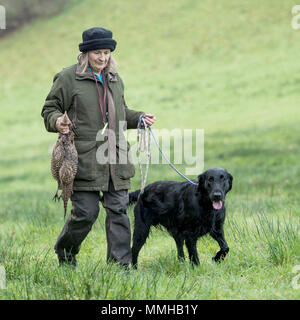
(111, 74)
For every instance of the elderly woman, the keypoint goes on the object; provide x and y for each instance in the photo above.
(92, 93)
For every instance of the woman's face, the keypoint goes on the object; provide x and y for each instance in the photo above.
(98, 59)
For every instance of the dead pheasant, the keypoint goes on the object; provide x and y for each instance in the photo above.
(64, 164)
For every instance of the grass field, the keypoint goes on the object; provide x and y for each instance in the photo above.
(230, 68)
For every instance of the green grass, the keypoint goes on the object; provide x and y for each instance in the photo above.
(229, 68)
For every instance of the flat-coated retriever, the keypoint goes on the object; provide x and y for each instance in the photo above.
(187, 211)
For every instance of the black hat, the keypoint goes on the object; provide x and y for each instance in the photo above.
(97, 38)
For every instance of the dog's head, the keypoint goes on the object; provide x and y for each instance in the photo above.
(215, 183)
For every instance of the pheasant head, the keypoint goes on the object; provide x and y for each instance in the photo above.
(66, 120)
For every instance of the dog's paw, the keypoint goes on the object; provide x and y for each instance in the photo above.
(217, 258)
(220, 255)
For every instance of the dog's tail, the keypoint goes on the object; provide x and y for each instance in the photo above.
(133, 196)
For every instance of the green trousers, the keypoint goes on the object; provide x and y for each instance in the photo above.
(85, 210)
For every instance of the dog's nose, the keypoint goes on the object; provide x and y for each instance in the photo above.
(217, 195)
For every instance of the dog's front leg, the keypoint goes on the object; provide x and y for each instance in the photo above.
(218, 235)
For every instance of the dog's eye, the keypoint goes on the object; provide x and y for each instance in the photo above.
(221, 177)
(211, 179)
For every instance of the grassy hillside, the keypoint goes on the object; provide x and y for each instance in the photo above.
(229, 68)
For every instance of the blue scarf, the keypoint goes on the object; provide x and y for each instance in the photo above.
(99, 78)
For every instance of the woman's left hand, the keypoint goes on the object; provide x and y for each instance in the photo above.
(149, 118)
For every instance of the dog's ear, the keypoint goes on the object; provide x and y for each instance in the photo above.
(201, 182)
(230, 179)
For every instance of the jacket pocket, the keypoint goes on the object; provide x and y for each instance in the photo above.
(125, 169)
(86, 160)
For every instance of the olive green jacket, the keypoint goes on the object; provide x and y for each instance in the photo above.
(100, 154)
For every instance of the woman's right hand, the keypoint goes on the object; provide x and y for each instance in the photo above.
(61, 127)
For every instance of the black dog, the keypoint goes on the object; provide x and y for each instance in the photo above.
(185, 210)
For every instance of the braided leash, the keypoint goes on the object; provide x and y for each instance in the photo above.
(169, 163)
(143, 137)
(142, 127)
